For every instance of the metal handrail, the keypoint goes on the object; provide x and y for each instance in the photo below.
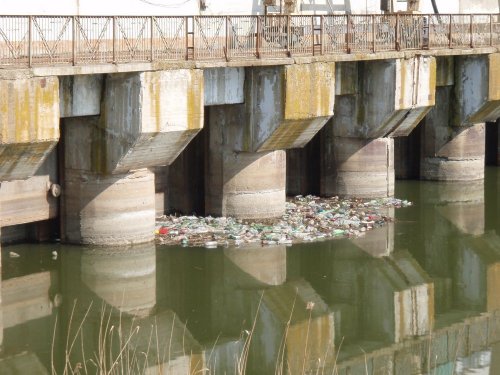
(27, 41)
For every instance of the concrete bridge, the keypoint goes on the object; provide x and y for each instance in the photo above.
(100, 105)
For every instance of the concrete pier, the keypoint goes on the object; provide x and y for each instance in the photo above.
(357, 148)
(453, 138)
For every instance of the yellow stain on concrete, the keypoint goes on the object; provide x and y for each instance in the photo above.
(309, 90)
(29, 110)
(195, 106)
(493, 283)
(494, 79)
(432, 81)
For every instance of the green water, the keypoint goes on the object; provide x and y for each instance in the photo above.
(419, 296)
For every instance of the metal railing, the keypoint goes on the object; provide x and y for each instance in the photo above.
(27, 41)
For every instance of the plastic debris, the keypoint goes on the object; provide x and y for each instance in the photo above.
(306, 219)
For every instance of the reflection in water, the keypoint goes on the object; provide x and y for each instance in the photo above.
(421, 295)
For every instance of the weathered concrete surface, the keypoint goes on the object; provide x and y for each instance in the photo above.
(450, 153)
(107, 274)
(477, 273)
(287, 318)
(29, 125)
(22, 363)
(80, 95)
(224, 86)
(27, 298)
(148, 118)
(399, 298)
(109, 210)
(285, 106)
(476, 95)
(26, 201)
(357, 167)
(246, 185)
(391, 97)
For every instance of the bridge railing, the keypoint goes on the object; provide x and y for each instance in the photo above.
(79, 40)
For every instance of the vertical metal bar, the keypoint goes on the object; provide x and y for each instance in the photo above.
(226, 53)
(73, 40)
(114, 39)
(288, 36)
(151, 44)
(450, 32)
(491, 30)
(187, 38)
(397, 34)
(348, 33)
(313, 31)
(30, 40)
(373, 33)
(321, 34)
(258, 36)
(471, 30)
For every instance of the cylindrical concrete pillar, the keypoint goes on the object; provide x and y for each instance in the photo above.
(355, 167)
(453, 154)
(246, 185)
(109, 210)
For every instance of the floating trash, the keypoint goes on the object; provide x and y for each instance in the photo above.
(306, 219)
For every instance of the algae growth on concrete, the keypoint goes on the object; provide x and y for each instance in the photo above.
(306, 219)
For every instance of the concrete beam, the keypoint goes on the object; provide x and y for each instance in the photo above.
(285, 106)
(80, 95)
(224, 86)
(29, 125)
(33, 199)
(148, 118)
(391, 98)
(476, 95)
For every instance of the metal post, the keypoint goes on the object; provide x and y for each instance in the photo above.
(373, 33)
(348, 33)
(114, 40)
(397, 34)
(491, 30)
(258, 36)
(187, 37)
(322, 33)
(450, 34)
(471, 30)
(226, 50)
(30, 40)
(151, 57)
(313, 30)
(288, 36)
(73, 40)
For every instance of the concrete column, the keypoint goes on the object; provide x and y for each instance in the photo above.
(375, 101)
(247, 185)
(357, 167)
(109, 210)
(453, 138)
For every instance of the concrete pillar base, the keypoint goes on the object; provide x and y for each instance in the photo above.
(461, 158)
(355, 167)
(109, 210)
(246, 185)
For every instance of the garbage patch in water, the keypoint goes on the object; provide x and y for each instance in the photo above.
(306, 219)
